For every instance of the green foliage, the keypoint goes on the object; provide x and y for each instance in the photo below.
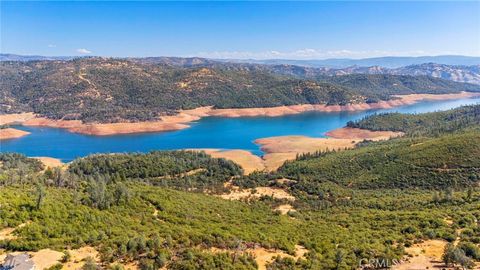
(57, 266)
(181, 169)
(90, 264)
(111, 90)
(447, 161)
(10, 161)
(17, 169)
(194, 259)
(425, 124)
(453, 255)
(382, 86)
(366, 203)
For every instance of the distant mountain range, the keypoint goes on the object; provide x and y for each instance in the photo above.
(469, 74)
(388, 62)
(454, 68)
(25, 58)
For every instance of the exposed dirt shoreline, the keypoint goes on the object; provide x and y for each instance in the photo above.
(181, 120)
(282, 148)
(11, 133)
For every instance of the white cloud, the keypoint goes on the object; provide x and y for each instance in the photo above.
(308, 53)
(84, 51)
(51, 46)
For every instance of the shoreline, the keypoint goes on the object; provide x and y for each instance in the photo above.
(12, 133)
(282, 148)
(278, 149)
(184, 117)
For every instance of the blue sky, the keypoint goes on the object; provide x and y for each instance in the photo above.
(294, 30)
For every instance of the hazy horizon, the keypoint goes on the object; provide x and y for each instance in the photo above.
(245, 59)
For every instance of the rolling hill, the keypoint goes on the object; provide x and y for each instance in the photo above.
(111, 90)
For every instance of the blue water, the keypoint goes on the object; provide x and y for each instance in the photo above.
(210, 132)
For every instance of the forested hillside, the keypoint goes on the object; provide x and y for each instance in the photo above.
(434, 123)
(449, 161)
(112, 90)
(114, 205)
(441, 151)
(383, 86)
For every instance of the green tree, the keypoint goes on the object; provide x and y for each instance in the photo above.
(90, 264)
(39, 195)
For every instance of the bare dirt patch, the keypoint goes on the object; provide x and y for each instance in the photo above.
(15, 118)
(285, 208)
(42, 259)
(7, 233)
(46, 258)
(78, 257)
(362, 134)
(248, 161)
(256, 193)
(12, 133)
(50, 162)
(302, 144)
(273, 161)
(283, 148)
(265, 256)
(426, 255)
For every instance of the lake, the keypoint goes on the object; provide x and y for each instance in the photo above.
(210, 132)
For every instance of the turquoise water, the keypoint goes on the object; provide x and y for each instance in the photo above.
(210, 132)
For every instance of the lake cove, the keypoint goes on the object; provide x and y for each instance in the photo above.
(208, 132)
